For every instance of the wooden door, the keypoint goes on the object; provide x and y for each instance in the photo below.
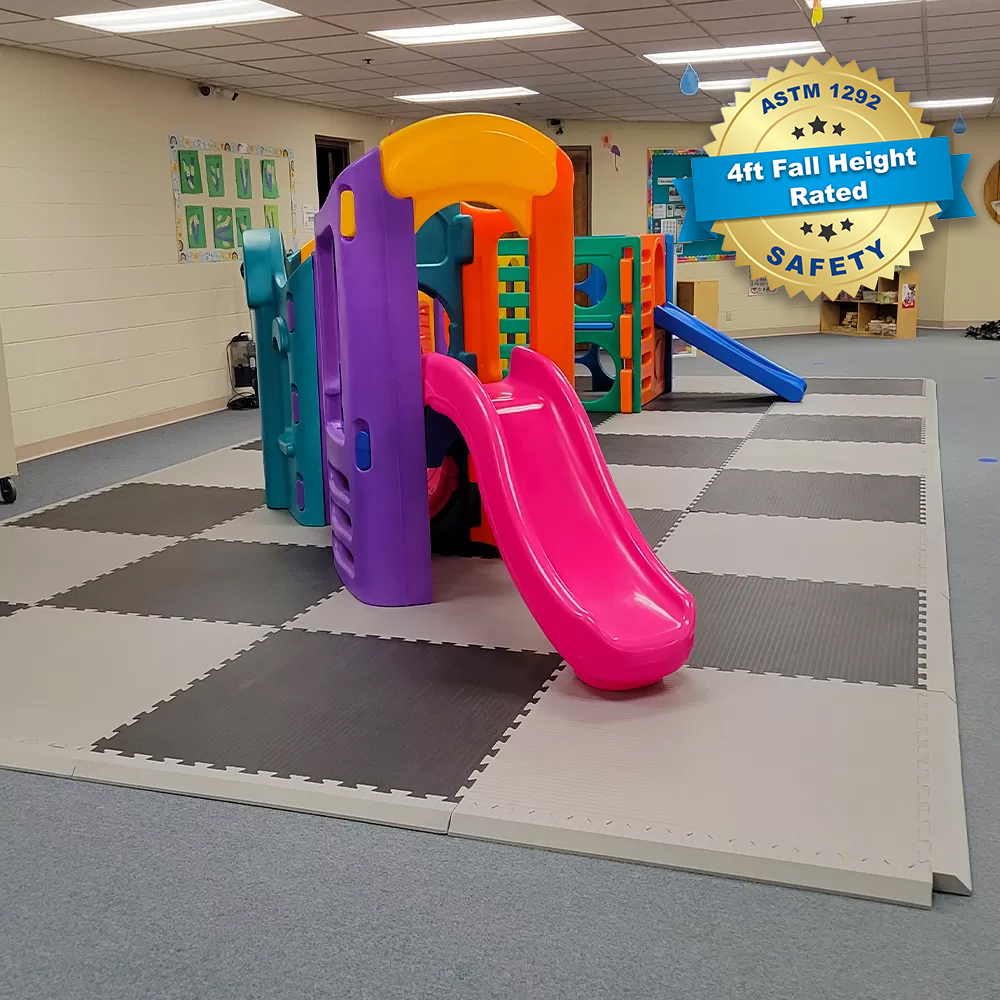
(580, 158)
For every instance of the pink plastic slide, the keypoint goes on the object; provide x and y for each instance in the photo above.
(590, 579)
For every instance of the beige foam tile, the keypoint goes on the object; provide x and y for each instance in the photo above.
(840, 404)
(265, 525)
(475, 603)
(681, 422)
(865, 457)
(657, 487)
(804, 782)
(798, 548)
(38, 563)
(738, 384)
(228, 467)
(72, 677)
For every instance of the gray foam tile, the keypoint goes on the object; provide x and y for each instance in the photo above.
(654, 524)
(150, 509)
(868, 386)
(259, 584)
(9, 609)
(813, 494)
(399, 715)
(798, 627)
(669, 450)
(251, 446)
(823, 427)
(710, 402)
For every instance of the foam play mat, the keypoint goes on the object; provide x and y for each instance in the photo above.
(173, 633)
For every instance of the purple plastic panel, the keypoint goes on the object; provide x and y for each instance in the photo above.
(295, 406)
(371, 391)
(300, 493)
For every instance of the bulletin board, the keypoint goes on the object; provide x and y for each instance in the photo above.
(665, 210)
(223, 188)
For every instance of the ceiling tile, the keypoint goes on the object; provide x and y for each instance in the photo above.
(331, 8)
(170, 59)
(292, 64)
(657, 37)
(44, 32)
(717, 10)
(106, 45)
(249, 51)
(196, 38)
(280, 31)
(61, 8)
(487, 10)
(547, 44)
(331, 45)
(658, 14)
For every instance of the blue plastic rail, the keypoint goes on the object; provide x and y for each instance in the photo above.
(731, 353)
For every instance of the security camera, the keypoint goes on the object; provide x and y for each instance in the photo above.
(555, 123)
(204, 89)
(236, 94)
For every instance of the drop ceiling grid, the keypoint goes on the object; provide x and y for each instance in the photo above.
(939, 48)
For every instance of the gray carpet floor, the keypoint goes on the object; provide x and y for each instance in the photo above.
(119, 893)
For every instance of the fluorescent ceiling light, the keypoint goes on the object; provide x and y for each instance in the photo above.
(735, 53)
(478, 31)
(467, 95)
(724, 84)
(954, 102)
(188, 15)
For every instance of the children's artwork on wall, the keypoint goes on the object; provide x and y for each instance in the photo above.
(190, 171)
(244, 186)
(216, 181)
(268, 179)
(227, 169)
(222, 228)
(665, 208)
(759, 286)
(195, 220)
(243, 223)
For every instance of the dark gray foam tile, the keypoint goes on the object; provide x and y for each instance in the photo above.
(837, 495)
(150, 509)
(669, 450)
(9, 609)
(868, 386)
(250, 446)
(797, 627)
(596, 419)
(413, 716)
(708, 402)
(249, 582)
(814, 427)
(654, 524)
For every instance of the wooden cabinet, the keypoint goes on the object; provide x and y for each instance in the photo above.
(701, 299)
(888, 310)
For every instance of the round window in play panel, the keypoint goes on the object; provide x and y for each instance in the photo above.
(991, 193)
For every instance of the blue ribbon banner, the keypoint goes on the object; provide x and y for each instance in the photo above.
(793, 181)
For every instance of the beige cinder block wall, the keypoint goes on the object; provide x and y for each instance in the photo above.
(104, 330)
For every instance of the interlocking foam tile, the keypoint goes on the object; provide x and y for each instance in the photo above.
(857, 406)
(9, 609)
(596, 419)
(251, 446)
(710, 402)
(875, 386)
(813, 494)
(654, 524)
(264, 525)
(339, 707)
(653, 488)
(681, 424)
(798, 548)
(791, 427)
(71, 677)
(475, 603)
(40, 562)
(216, 581)
(230, 467)
(149, 509)
(667, 451)
(840, 630)
(831, 456)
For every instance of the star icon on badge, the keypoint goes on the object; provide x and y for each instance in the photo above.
(826, 232)
(817, 125)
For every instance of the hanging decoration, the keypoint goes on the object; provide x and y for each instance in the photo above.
(959, 128)
(689, 82)
(817, 12)
(611, 147)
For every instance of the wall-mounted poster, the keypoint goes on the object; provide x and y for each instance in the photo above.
(203, 169)
(213, 170)
(665, 208)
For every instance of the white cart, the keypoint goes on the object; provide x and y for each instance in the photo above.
(8, 463)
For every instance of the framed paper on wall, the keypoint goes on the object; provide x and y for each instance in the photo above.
(223, 188)
(665, 210)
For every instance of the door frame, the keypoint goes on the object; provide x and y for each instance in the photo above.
(588, 150)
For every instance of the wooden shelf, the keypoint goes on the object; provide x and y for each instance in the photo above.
(903, 286)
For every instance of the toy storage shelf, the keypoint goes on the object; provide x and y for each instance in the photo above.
(882, 311)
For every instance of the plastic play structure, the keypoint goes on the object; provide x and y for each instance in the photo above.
(391, 411)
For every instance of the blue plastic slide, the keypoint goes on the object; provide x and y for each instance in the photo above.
(730, 352)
